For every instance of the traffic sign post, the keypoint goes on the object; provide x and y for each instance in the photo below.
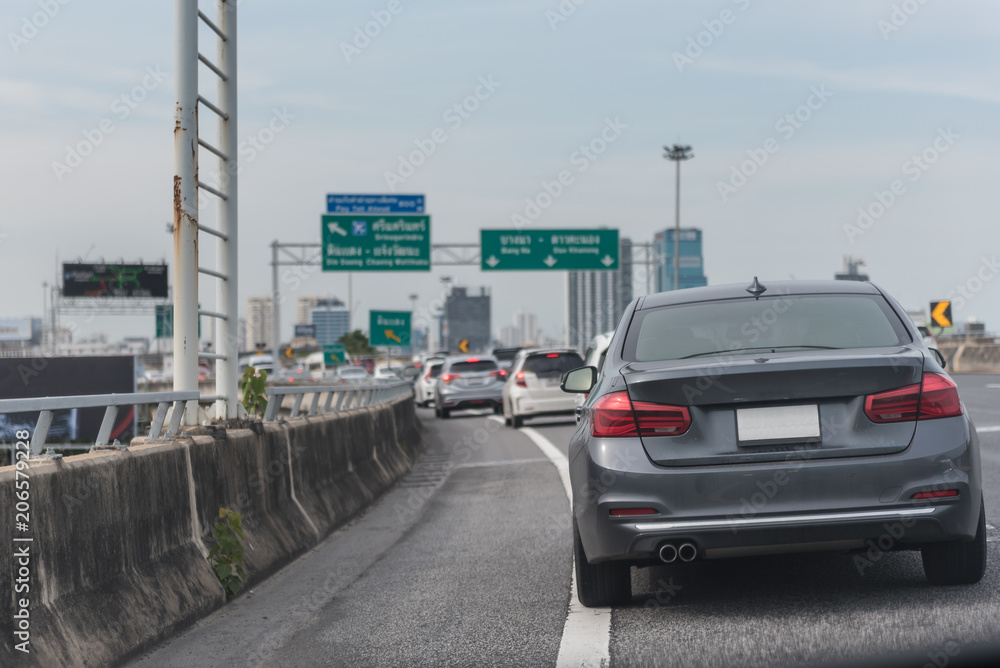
(374, 203)
(540, 250)
(334, 354)
(389, 328)
(941, 313)
(356, 242)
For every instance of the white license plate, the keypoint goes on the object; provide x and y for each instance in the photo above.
(475, 381)
(778, 422)
(550, 382)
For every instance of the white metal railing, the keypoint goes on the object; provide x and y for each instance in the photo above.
(187, 143)
(110, 402)
(334, 398)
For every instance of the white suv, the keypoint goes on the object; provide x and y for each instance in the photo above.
(532, 386)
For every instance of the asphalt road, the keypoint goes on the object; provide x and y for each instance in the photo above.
(468, 562)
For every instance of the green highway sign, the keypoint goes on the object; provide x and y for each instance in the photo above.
(165, 321)
(334, 354)
(539, 250)
(389, 328)
(356, 242)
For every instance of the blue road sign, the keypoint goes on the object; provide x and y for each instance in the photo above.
(375, 204)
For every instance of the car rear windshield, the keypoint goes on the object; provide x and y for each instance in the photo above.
(472, 367)
(505, 354)
(552, 365)
(436, 370)
(786, 322)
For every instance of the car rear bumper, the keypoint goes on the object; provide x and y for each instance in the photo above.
(827, 504)
(476, 398)
(526, 405)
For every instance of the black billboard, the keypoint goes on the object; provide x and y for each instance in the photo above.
(23, 377)
(305, 331)
(114, 280)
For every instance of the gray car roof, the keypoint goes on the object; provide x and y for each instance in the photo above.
(739, 290)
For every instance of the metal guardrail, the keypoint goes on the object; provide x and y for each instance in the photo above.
(111, 402)
(348, 396)
(338, 398)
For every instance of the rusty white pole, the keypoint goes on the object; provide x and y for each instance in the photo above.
(186, 202)
(275, 311)
(227, 297)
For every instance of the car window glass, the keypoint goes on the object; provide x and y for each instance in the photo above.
(728, 326)
(472, 367)
(600, 361)
(552, 365)
(436, 370)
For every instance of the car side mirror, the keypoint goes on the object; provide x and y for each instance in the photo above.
(580, 380)
(940, 357)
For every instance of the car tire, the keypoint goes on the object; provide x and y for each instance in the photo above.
(444, 414)
(498, 409)
(600, 585)
(957, 562)
(516, 421)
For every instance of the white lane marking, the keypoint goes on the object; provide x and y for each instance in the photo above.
(501, 462)
(993, 386)
(985, 430)
(586, 637)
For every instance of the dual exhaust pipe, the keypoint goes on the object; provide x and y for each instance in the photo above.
(686, 552)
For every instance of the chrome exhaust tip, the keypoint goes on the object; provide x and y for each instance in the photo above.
(668, 554)
(687, 552)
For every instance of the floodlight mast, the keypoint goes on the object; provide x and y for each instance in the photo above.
(677, 153)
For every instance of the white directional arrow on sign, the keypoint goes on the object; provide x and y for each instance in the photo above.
(336, 229)
(549, 261)
(607, 261)
(492, 261)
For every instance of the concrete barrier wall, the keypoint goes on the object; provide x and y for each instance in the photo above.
(971, 357)
(117, 561)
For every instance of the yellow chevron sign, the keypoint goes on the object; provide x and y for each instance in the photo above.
(941, 313)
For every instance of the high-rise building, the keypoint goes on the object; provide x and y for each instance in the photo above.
(595, 300)
(691, 270)
(260, 318)
(331, 319)
(304, 307)
(526, 325)
(466, 316)
(854, 270)
(508, 336)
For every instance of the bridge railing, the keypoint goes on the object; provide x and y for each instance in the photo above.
(334, 398)
(323, 399)
(46, 406)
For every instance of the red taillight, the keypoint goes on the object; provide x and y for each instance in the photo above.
(935, 495)
(939, 397)
(446, 378)
(553, 355)
(935, 397)
(499, 373)
(660, 419)
(893, 406)
(627, 512)
(616, 415)
(471, 359)
(519, 379)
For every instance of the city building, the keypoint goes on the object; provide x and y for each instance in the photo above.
(304, 307)
(595, 300)
(259, 323)
(691, 270)
(508, 336)
(854, 270)
(526, 325)
(466, 316)
(331, 319)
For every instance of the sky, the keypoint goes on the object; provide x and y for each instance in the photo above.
(862, 128)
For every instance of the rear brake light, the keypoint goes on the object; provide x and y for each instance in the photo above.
(935, 397)
(626, 512)
(446, 378)
(471, 359)
(935, 495)
(500, 373)
(660, 419)
(553, 355)
(939, 397)
(519, 379)
(612, 416)
(893, 406)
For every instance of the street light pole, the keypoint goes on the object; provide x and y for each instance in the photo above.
(677, 153)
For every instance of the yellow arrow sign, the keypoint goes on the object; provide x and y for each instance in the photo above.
(389, 334)
(463, 345)
(941, 313)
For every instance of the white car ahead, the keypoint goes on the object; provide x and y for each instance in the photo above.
(532, 386)
(424, 385)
